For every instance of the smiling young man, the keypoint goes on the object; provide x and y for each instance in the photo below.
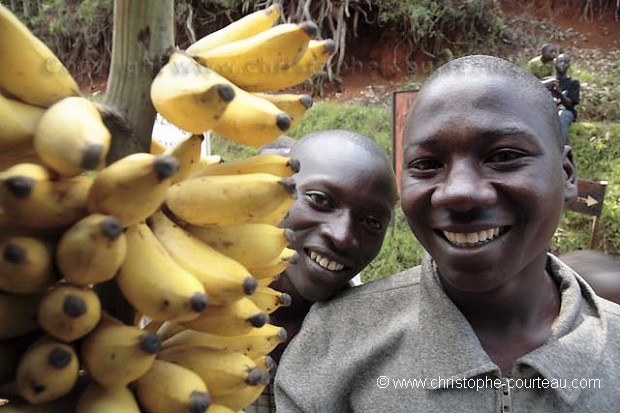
(490, 322)
(346, 193)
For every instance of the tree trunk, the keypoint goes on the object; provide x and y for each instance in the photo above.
(14, 6)
(26, 4)
(142, 40)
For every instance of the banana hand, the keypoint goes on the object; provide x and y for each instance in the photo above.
(188, 153)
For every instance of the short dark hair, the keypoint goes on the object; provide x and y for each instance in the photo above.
(526, 84)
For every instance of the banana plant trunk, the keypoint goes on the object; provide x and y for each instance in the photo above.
(143, 37)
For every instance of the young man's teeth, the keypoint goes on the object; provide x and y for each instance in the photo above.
(325, 262)
(472, 238)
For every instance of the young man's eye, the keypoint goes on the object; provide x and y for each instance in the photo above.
(318, 199)
(424, 167)
(374, 223)
(505, 156)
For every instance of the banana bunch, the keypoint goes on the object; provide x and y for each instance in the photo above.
(232, 80)
(191, 242)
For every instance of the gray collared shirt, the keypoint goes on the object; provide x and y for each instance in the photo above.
(400, 345)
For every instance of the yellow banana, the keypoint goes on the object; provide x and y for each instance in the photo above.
(251, 120)
(92, 250)
(34, 197)
(229, 199)
(222, 371)
(67, 312)
(268, 363)
(18, 314)
(266, 281)
(47, 370)
(26, 265)
(223, 278)
(287, 258)
(115, 354)
(265, 163)
(240, 398)
(295, 105)
(218, 408)
(99, 399)
(252, 245)
(230, 319)
(257, 342)
(245, 27)
(18, 123)
(247, 61)
(154, 283)
(190, 96)
(30, 70)
(133, 187)
(169, 329)
(315, 57)
(71, 137)
(172, 388)
(187, 153)
(157, 148)
(269, 299)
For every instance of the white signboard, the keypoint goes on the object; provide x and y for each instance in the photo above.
(169, 135)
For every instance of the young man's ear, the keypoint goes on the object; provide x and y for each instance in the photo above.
(570, 175)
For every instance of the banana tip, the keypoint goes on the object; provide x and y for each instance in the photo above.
(199, 402)
(310, 27)
(91, 157)
(14, 253)
(285, 300)
(283, 121)
(150, 343)
(74, 306)
(258, 320)
(20, 186)
(249, 285)
(111, 228)
(199, 302)
(59, 358)
(258, 376)
(165, 166)
(294, 165)
(226, 92)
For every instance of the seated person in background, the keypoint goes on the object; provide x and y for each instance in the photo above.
(490, 322)
(566, 92)
(543, 65)
(600, 270)
(346, 193)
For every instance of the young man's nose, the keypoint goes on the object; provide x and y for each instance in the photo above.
(463, 189)
(341, 230)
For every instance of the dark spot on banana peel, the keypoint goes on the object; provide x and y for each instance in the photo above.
(111, 228)
(165, 166)
(74, 306)
(283, 121)
(289, 186)
(199, 402)
(20, 186)
(91, 157)
(249, 285)
(199, 302)
(258, 320)
(59, 358)
(14, 254)
(293, 164)
(258, 376)
(150, 343)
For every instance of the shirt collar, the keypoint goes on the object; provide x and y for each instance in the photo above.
(573, 351)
